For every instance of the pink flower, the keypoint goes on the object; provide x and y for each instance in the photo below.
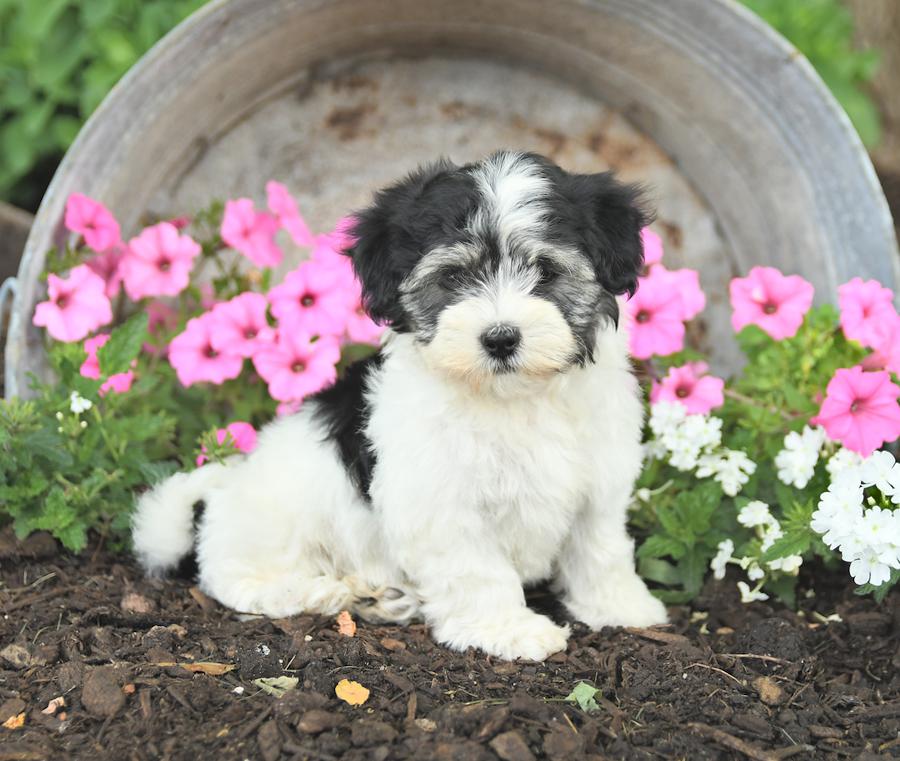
(239, 326)
(251, 232)
(865, 306)
(315, 298)
(684, 283)
(689, 385)
(161, 320)
(886, 344)
(656, 310)
(284, 207)
(90, 368)
(179, 223)
(195, 359)
(243, 438)
(860, 410)
(296, 365)
(77, 305)
(653, 247)
(361, 328)
(776, 303)
(107, 265)
(158, 262)
(94, 221)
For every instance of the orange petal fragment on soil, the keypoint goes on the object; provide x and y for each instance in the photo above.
(352, 693)
(346, 624)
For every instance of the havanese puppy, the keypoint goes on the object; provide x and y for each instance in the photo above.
(491, 443)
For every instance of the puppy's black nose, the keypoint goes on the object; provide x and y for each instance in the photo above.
(501, 341)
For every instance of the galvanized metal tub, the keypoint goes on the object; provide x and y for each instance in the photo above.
(750, 159)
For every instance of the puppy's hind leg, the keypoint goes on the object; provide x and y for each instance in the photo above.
(383, 604)
(282, 594)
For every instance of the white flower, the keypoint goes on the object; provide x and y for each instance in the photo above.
(723, 556)
(796, 463)
(666, 416)
(771, 533)
(868, 569)
(732, 469)
(754, 572)
(843, 461)
(755, 513)
(839, 510)
(654, 449)
(748, 595)
(880, 470)
(790, 564)
(78, 404)
(894, 480)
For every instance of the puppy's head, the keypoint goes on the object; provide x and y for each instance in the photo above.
(506, 267)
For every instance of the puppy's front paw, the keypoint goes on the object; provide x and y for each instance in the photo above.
(627, 604)
(519, 634)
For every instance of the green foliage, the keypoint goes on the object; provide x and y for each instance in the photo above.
(682, 518)
(823, 31)
(58, 59)
(583, 694)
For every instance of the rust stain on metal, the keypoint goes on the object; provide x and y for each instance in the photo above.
(348, 121)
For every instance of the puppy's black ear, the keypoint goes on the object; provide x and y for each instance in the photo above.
(392, 235)
(610, 216)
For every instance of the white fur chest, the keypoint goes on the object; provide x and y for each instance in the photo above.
(519, 466)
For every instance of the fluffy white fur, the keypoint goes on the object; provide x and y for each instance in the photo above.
(509, 489)
(520, 473)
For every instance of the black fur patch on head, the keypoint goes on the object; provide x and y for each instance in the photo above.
(343, 411)
(606, 217)
(426, 209)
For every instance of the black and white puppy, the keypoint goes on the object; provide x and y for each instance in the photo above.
(492, 442)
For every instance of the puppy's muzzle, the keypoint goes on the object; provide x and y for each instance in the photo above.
(501, 341)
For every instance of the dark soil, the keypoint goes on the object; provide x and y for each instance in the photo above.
(728, 682)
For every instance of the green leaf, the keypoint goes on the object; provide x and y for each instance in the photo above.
(583, 694)
(47, 445)
(660, 571)
(658, 546)
(792, 543)
(277, 685)
(117, 354)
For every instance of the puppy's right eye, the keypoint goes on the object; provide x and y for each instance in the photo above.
(451, 279)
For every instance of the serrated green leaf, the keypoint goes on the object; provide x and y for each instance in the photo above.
(47, 445)
(123, 346)
(658, 546)
(793, 543)
(660, 571)
(583, 694)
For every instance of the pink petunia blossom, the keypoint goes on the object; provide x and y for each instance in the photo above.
(78, 305)
(288, 408)
(161, 320)
(653, 247)
(360, 327)
(90, 368)
(657, 322)
(107, 265)
(92, 220)
(195, 359)
(251, 232)
(158, 262)
(685, 283)
(239, 326)
(243, 438)
(315, 298)
(179, 223)
(865, 306)
(860, 410)
(775, 302)
(284, 207)
(690, 386)
(886, 344)
(296, 365)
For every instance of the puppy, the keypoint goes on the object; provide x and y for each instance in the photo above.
(492, 442)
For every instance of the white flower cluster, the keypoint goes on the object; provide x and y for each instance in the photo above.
(756, 515)
(796, 463)
(695, 441)
(868, 537)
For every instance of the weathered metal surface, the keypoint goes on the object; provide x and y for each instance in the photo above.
(338, 96)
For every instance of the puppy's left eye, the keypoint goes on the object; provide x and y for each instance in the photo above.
(548, 273)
